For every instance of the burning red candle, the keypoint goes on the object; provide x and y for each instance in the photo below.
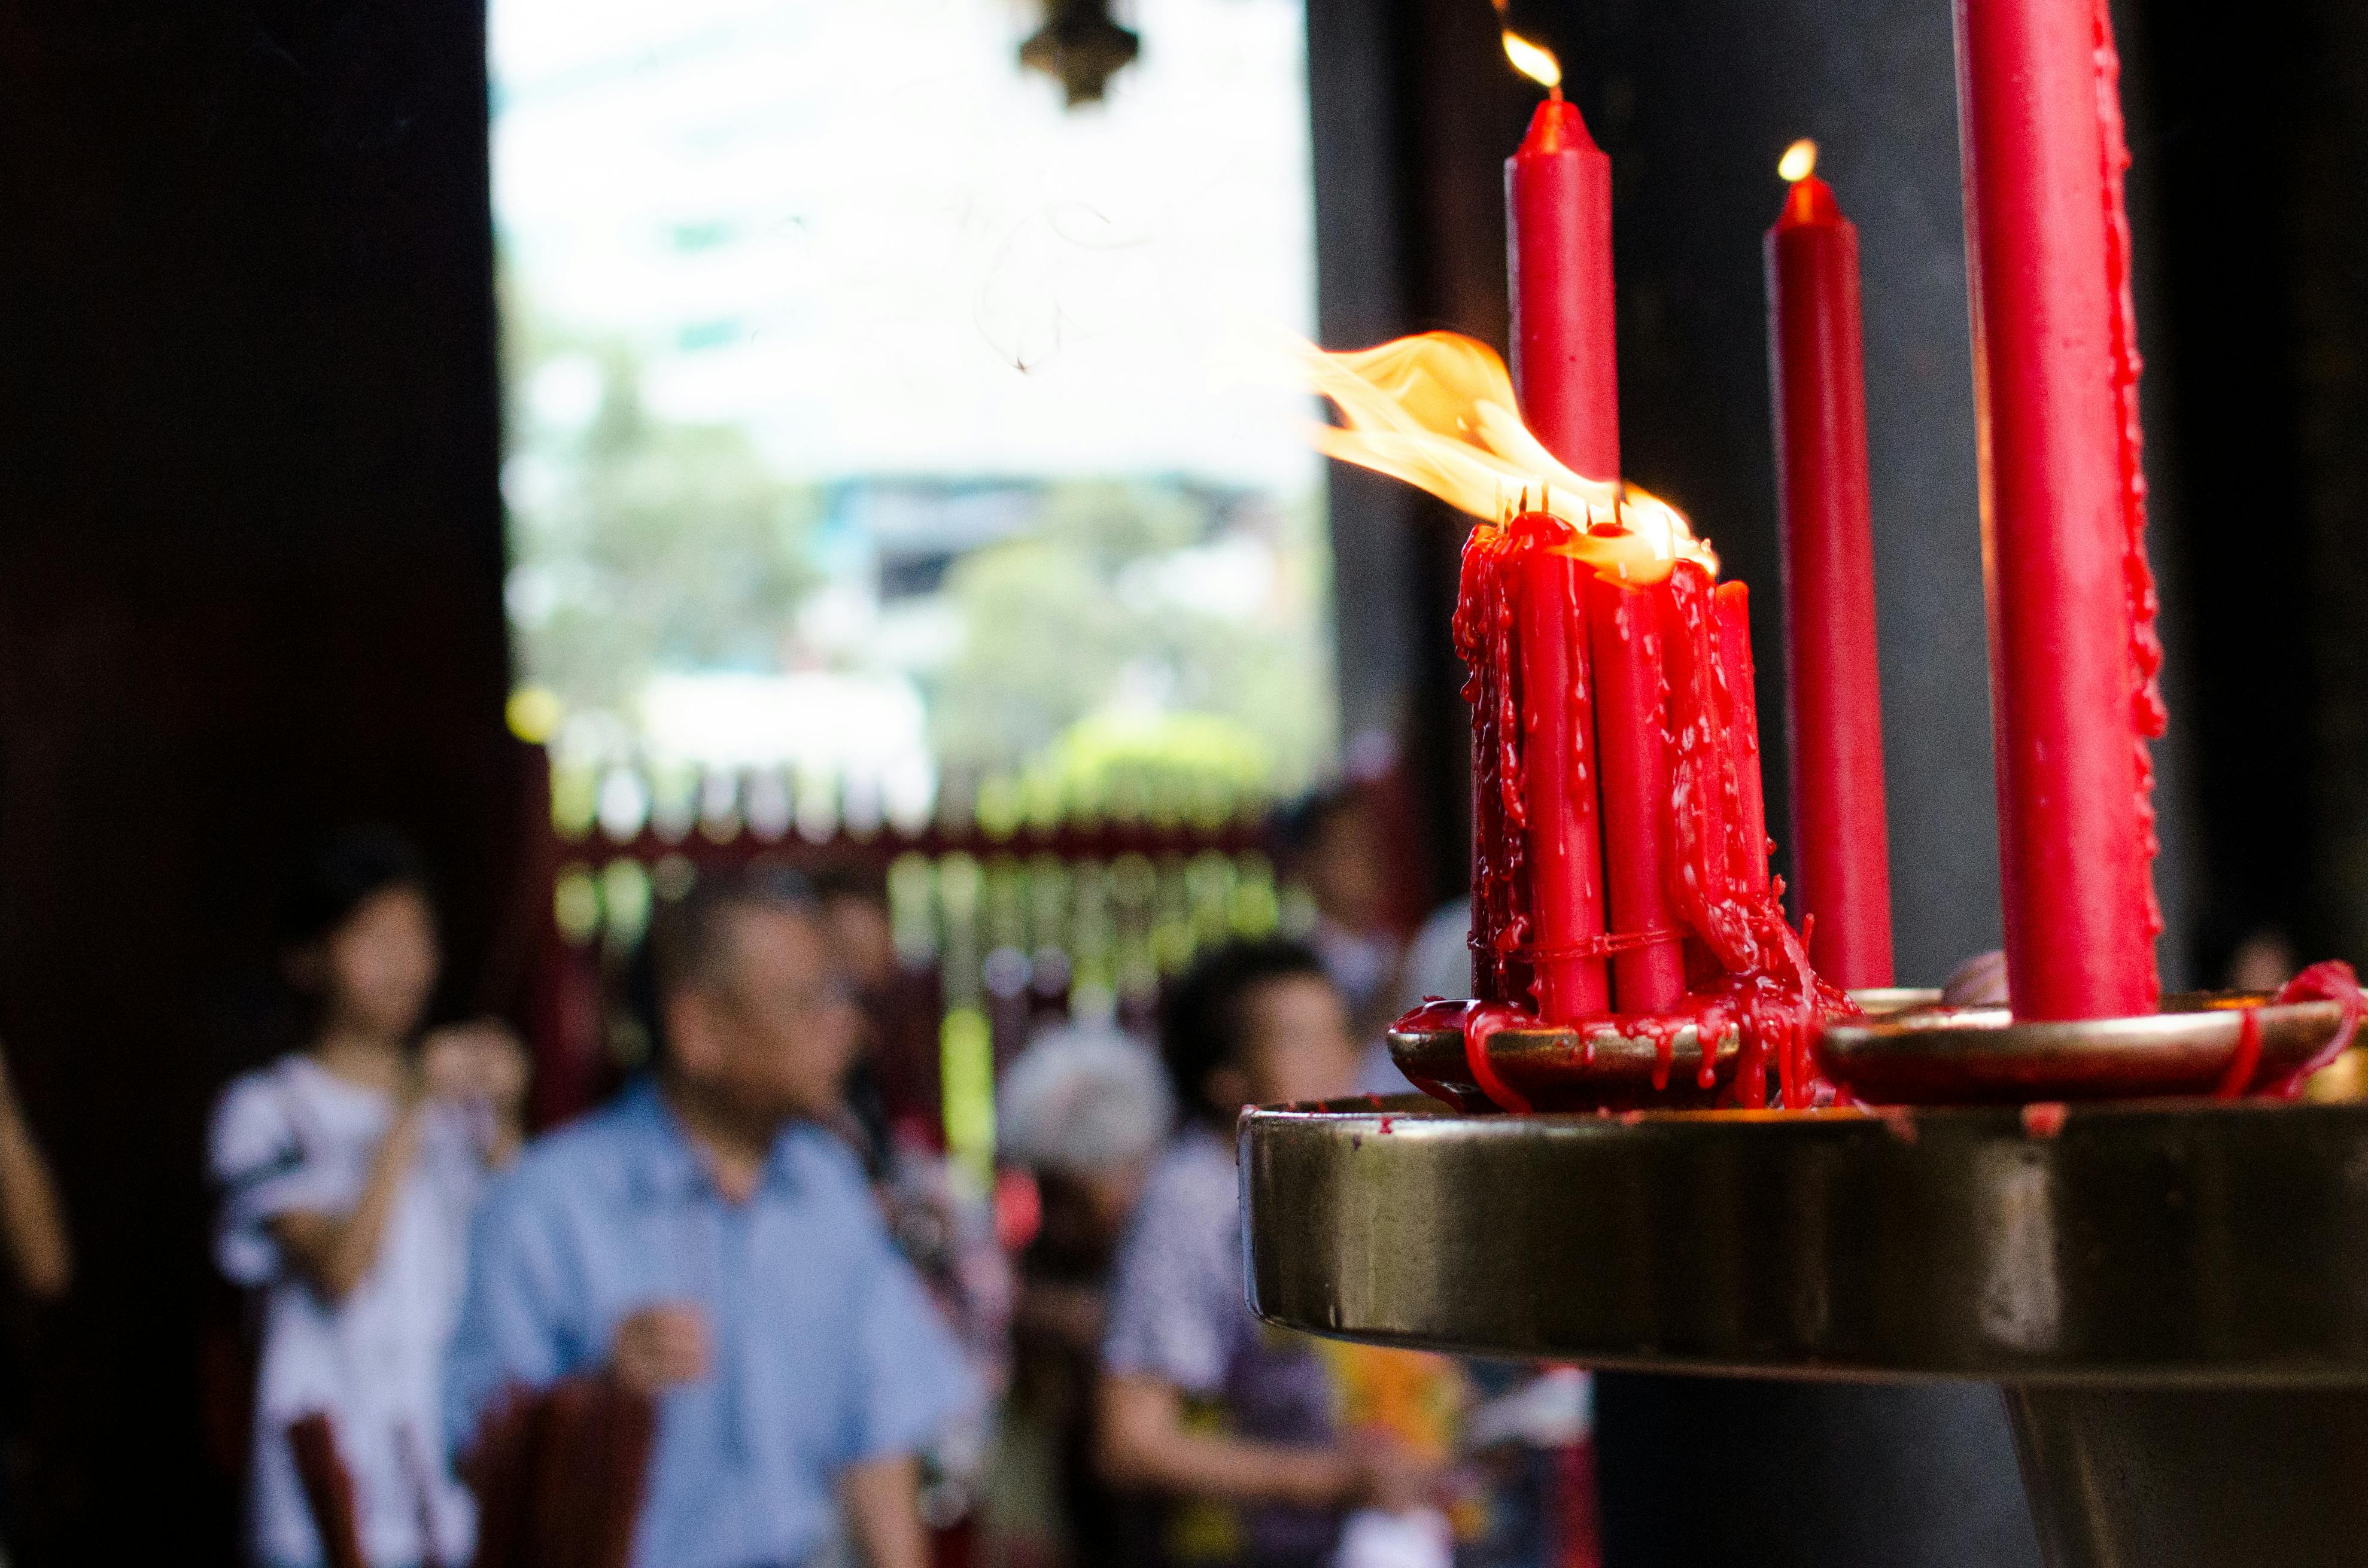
(1841, 871)
(2073, 655)
(1558, 250)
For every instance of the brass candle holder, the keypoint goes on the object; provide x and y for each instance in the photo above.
(2172, 1291)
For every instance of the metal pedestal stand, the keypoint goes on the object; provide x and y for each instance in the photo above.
(2174, 1295)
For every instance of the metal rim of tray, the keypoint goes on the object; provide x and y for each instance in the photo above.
(1984, 1056)
(2170, 1243)
(1907, 1052)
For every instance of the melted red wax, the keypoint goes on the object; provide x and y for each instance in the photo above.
(1475, 1021)
(2043, 1119)
(2331, 980)
(2149, 716)
(1771, 1021)
(1751, 973)
(2247, 1059)
(1482, 632)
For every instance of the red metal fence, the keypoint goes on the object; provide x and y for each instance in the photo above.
(997, 930)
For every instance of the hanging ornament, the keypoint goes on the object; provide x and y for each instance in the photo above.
(1080, 46)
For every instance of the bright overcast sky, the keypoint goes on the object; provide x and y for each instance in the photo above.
(849, 225)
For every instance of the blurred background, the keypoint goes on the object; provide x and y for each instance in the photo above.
(610, 439)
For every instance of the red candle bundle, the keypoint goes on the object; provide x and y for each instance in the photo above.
(2071, 600)
(1841, 847)
(1664, 671)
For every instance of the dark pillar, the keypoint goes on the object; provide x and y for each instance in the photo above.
(2260, 138)
(249, 587)
(1702, 1472)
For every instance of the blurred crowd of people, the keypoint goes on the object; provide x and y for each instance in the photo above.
(749, 1314)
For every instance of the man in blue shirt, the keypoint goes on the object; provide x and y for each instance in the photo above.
(705, 1241)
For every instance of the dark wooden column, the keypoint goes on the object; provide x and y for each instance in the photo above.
(250, 579)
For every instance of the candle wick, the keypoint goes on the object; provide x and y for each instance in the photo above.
(1554, 94)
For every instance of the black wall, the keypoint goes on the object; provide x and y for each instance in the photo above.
(250, 567)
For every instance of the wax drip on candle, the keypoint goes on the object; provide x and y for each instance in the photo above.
(2149, 717)
(1484, 634)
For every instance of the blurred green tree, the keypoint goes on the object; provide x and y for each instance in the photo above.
(642, 545)
(1081, 620)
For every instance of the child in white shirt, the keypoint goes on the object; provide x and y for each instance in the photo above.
(348, 1173)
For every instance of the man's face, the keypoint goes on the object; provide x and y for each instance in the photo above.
(774, 1032)
(1297, 1042)
(861, 939)
(1345, 871)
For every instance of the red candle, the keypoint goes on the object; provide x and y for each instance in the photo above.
(1632, 730)
(1559, 783)
(1747, 815)
(1558, 248)
(1841, 876)
(1701, 770)
(2072, 654)
(1537, 901)
(1483, 636)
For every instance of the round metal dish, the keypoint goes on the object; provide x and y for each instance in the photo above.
(2187, 1244)
(1561, 1069)
(1982, 1056)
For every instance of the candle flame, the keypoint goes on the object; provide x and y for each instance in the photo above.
(1534, 61)
(1439, 412)
(1799, 162)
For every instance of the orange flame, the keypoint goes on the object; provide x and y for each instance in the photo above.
(1534, 61)
(1438, 411)
(1799, 162)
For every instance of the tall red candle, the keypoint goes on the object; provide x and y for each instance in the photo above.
(1841, 876)
(2072, 652)
(1558, 250)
